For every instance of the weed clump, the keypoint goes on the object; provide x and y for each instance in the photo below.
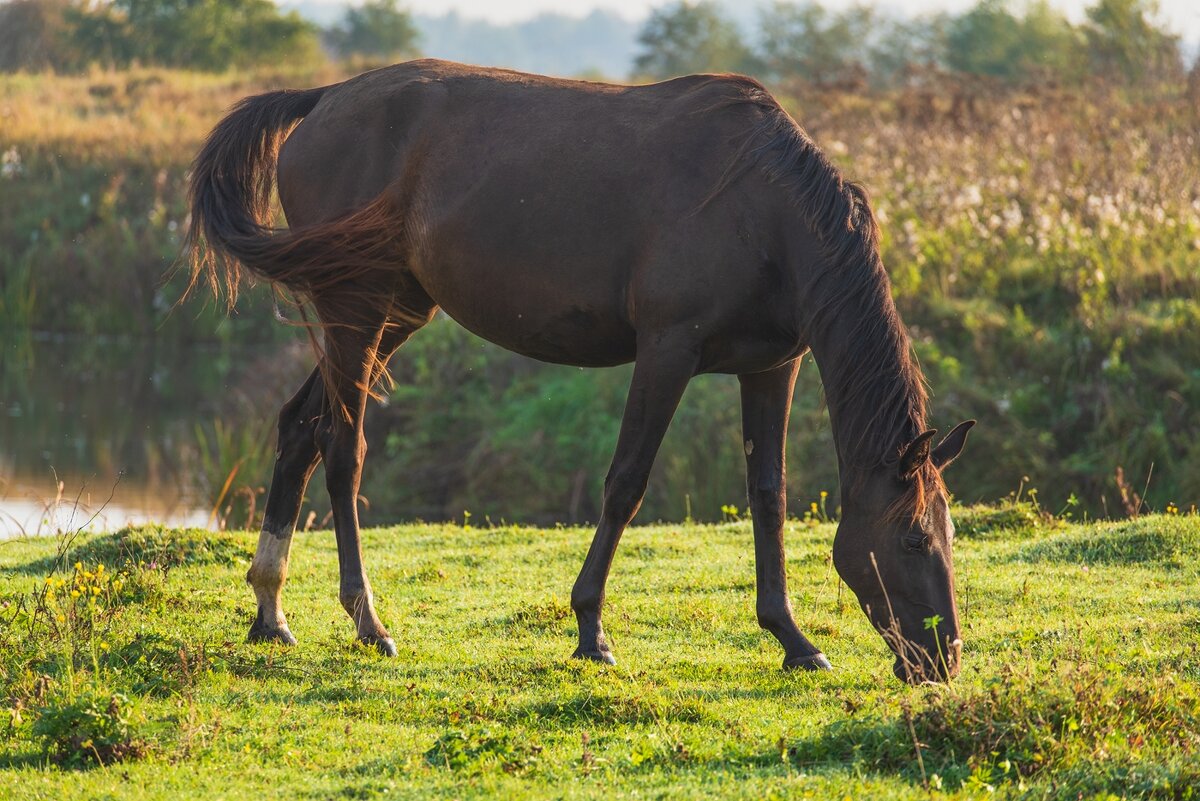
(543, 616)
(1000, 520)
(1098, 730)
(88, 727)
(164, 548)
(477, 749)
(605, 708)
(1168, 541)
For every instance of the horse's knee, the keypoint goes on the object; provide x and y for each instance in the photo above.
(622, 497)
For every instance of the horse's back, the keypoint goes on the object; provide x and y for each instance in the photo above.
(541, 213)
(364, 134)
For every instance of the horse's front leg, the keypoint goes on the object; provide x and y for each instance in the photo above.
(660, 376)
(766, 404)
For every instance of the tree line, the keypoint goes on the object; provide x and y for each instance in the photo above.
(996, 39)
(71, 35)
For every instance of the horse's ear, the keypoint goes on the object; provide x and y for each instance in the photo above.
(949, 448)
(916, 454)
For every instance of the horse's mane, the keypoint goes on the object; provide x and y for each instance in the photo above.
(876, 381)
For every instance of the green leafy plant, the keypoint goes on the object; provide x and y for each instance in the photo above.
(85, 726)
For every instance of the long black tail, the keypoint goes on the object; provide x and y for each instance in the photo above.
(231, 193)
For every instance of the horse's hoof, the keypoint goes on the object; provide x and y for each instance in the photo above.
(811, 662)
(384, 645)
(279, 635)
(606, 657)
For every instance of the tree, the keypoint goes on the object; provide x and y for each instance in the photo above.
(69, 35)
(690, 37)
(901, 43)
(34, 35)
(216, 34)
(810, 42)
(377, 29)
(991, 40)
(1123, 43)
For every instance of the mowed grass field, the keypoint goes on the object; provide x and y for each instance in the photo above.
(1081, 677)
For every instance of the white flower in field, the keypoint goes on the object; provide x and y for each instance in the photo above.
(1013, 216)
(838, 147)
(969, 197)
(10, 163)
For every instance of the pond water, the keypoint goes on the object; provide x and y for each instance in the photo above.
(101, 433)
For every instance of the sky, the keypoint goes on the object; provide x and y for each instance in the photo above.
(1181, 15)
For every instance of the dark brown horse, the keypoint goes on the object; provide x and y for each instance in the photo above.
(690, 226)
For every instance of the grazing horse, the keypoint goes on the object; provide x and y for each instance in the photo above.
(689, 226)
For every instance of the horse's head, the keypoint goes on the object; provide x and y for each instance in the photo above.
(893, 549)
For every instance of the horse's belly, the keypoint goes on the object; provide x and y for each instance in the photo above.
(577, 337)
(543, 319)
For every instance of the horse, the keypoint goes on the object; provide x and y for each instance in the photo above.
(689, 226)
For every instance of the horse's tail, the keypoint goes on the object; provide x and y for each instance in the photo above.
(231, 193)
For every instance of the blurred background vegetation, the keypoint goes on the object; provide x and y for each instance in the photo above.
(1037, 181)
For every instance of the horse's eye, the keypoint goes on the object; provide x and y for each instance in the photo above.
(916, 542)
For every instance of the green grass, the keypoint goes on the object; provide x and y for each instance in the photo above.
(1081, 677)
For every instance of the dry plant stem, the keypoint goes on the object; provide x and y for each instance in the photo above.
(893, 636)
(912, 732)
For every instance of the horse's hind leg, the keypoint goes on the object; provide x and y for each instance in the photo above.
(766, 403)
(303, 420)
(659, 378)
(355, 356)
(295, 459)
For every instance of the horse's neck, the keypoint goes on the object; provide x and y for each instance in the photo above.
(872, 386)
